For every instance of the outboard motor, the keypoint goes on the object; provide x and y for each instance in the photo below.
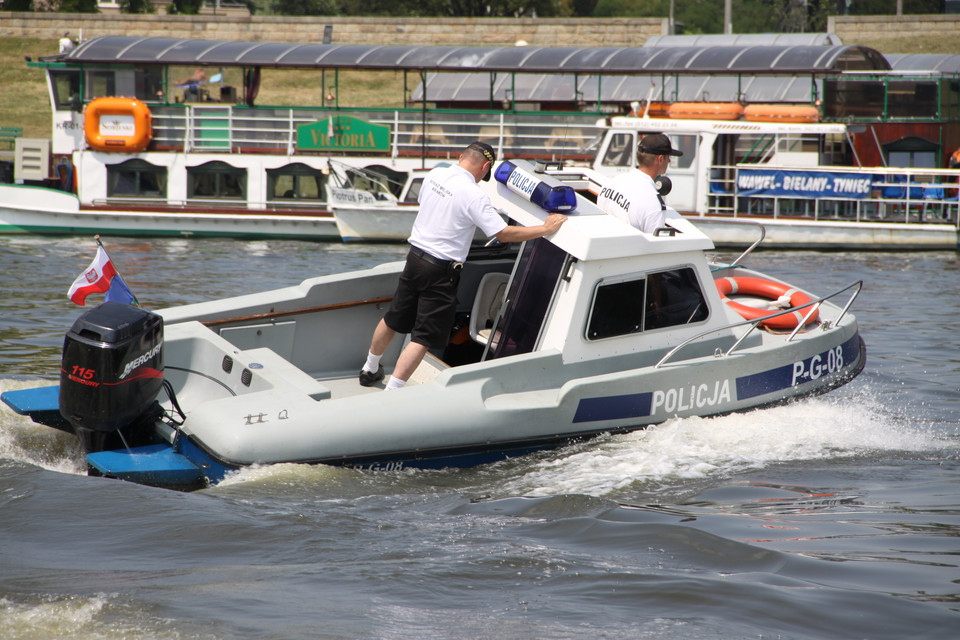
(110, 375)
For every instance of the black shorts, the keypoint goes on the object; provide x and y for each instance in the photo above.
(425, 303)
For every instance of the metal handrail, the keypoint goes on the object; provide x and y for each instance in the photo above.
(748, 250)
(756, 322)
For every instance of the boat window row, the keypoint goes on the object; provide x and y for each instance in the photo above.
(657, 300)
(137, 178)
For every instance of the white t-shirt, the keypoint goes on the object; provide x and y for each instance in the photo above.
(452, 207)
(632, 197)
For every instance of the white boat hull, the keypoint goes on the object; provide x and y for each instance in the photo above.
(375, 224)
(37, 210)
(782, 233)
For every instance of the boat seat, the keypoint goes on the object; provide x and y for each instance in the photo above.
(486, 305)
(282, 374)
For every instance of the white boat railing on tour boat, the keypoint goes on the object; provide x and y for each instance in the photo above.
(235, 129)
(908, 195)
(899, 195)
(813, 306)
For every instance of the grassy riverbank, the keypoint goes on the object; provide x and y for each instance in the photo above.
(24, 101)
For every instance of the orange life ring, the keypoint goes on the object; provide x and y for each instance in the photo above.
(772, 291)
(117, 124)
(705, 110)
(780, 113)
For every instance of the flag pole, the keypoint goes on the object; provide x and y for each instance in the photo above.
(136, 302)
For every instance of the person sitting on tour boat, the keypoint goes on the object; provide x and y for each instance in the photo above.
(192, 85)
(954, 162)
(632, 196)
(452, 208)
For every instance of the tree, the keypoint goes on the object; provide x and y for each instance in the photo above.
(304, 7)
(185, 7)
(136, 6)
(79, 6)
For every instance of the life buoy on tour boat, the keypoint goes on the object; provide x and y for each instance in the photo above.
(780, 113)
(117, 124)
(772, 291)
(705, 111)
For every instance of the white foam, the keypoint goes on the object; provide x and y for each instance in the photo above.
(64, 617)
(691, 448)
(23, 440)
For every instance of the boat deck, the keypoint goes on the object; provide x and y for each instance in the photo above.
(344, 384)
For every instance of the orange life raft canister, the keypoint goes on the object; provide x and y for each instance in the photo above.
(780, 113)
(117, 124)
(772, 291)
(705, 110)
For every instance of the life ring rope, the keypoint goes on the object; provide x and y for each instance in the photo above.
(785, 295)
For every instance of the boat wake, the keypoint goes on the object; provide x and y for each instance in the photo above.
(23, 440)
(684, 450)
(673, 454)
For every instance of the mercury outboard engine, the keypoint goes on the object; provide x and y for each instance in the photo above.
(110, 375)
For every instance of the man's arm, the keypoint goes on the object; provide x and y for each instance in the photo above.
(520, 234)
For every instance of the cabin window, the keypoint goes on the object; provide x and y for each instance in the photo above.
(136, 178)
(617, 309)
(535, 280)
(295, 181)
(673, 298)
(686, 144)
(621, 151)
(216, 180)
(378, 180)
(661, 299)
(413, 193)
(101, 84)
(66, 90)
(148, 84)
(912, 152)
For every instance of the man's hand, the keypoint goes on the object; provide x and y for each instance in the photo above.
(521, 234)
(553, 222)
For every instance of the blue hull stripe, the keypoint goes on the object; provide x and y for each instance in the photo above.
(790, 375)
(638, 405)
(613, 407)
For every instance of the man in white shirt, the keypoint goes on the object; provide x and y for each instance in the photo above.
(66, 44)
(632, 196)
(452, 208)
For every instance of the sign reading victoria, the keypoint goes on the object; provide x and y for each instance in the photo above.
(343, 133)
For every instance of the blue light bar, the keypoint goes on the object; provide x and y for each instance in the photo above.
(542, 190)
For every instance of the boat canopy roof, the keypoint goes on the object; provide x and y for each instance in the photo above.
(726, 59)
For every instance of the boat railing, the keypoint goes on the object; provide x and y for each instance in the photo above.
(219, 128)
(874, 194)
(811, 307)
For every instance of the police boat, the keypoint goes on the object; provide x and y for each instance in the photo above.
(599, 328)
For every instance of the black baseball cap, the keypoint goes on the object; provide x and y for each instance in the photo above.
(657, 144)
(487, 152)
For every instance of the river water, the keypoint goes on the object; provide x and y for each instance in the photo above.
(835, 517)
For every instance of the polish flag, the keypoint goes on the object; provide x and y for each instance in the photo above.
(95, 279)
